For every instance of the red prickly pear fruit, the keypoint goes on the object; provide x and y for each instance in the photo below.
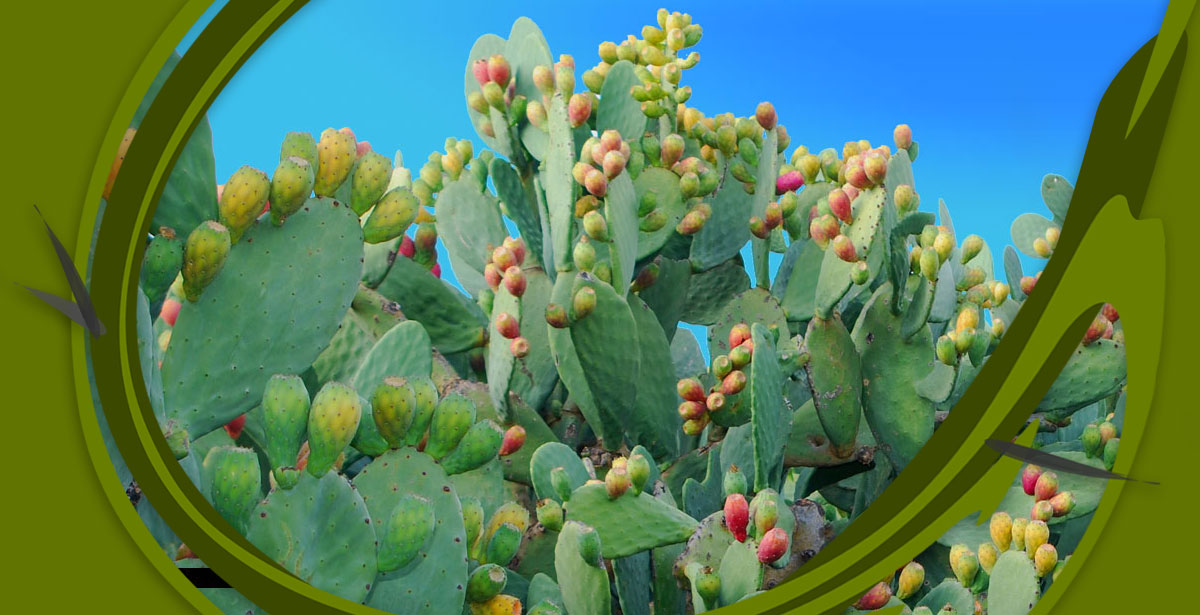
(514, 439)
(792, 180)
(839, 204)
(556, 316)
(690, 389)
(692, 410)
(856, 175)
(436, 270)
(584, 302)
(903, 136)
(596, 183)
(514, 281)
(875, 598)
(517, 247)
(362, 147)
(773, 545)
(1095, 330)
(911, 579)
(1027, 284)
(579, 109)
(737, 515)
(480, 70)
(1029, 478)
(1062, 503)
(170, 311)
(774, 215)
(579, 173)
(1108, 332)
(302, 457)
(503, 258)
(843, 247)
(234, 427)
(408, 248)
(1046, 486)
(734, 382)
(1042, 511)
(613, 163)
(715, 401)
(738, 334)
(1110, 313)
(498, 70)
(492, 275)
(507, 325)
(765, 114)
(519, 347)
(758, 228)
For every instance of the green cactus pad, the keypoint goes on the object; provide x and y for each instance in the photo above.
(367, 439)
(740, 572)
(665, 186)
(435, 582)
(769, 417)
(1026, 228)
(835, 381)
(900, 419)
(452, 326)
(1013, 274)
(898, 261)
(533, 376)
(834, 279)
(543, 587)
(686, 355)
(513, 195)
(608, 361)
(669, 599)
(584, 585)
(470, 226)
(659, 524)
(345, 352)
(706, 546)
(655, 419)
(632, 576)
(526, 48)
(798, 295)
(485, 47)
(618, 110)
(755, 305)
(710, 293)
(402, 352)
(949, 591)
(667, 297)
(553, 455)
(225, 346)
(190, 195)
(336, 553)
(701, 498)
(620, 210)
(726, 232)
(1057, 193)
(148, 357)
(1093, 372)
(1013, 586)
(916, 315)
(558, 183)
(945, 297)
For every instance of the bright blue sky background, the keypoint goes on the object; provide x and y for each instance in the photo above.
(998, 93)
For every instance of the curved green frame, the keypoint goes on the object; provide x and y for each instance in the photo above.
(955, 475)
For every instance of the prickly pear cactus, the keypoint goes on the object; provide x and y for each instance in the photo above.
(500, 442)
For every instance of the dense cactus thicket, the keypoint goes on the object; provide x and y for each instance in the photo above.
(542, 436)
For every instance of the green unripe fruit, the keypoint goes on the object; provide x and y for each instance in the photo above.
(236, 483)
(285, 405)
(721, 366)
(453, 417)
(494, 95)
(928, 236)
(479, 446)
(161, 265)
(550, 514)
(301, 145)
(477, 102)
(764, 508)
(1110, 453)
(485, 582)
(426, 396)
(860, 273)
(290, 187)
(733, 482)
(503, 545)
(903, 196)
(943, 244)
(369, 181)
(748, 151)
(431, 174)
(336, 154)
(561, 482)
(1090, 437)
(204, 255)
(392, 216)
(583, 302)
(608, 52)
(965, 567)
(708, 585)
(584, 255)
(408, 528)
(332, 424)
(589, 546)
(472, 521)
(596, 226)
(653, 221)
(638, 469)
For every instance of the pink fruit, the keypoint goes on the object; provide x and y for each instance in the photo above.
(875, 598)
(407, 247)
(1042, 511)
(517, 247)
(519, 347)
(507, 325)
(1046, 486)
(170, 311)
(738, 334)
(234, 427)
(839, 204)
(737, 515)
(514, 439)
(690, 389)
(514, 281)
(1029, 478)
(498, 70)
(773, 545)
(363, 147)
(480, 70)
(436, 270)
(792, 180)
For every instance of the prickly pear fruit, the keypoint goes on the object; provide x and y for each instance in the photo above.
(965, 567)
(737, 515)
(393, 405)
(204, 255)
(773, 545)
(336, 153)
(1092, 444)
(589, 546)
(596, 226)
(988, 554)
(1062, 503)
(584, 255)
(550, 514)
(236, 483)
(503, 545)
(561, 483)
(922, 610)
(332, 423)
(543, 607)
(290, 187)
(765, 510)
(369, 181)
(393, 214)
(946, 350)
(1029, 478)
(161, 265)
(485, 582)
(708, 585)
(912, 577)
(733, 482)
(556, 316)
(514, 439)
(875, 598)
(453, 417)
(514, 280)
(971, 247)
(170, 311)
(478, 446)
(765, 114)
(616, 483)
(1045, 559)
(285, 406)
(242, 200)
(507, 325)
(1000, 528)
(734, 383)
(1019, 525)
(583, 302)
(502, 604)
(638, 468)
(472, 520)
(1046, 486)
(407, 529)
(426, 396)
(1037, 533)
(1110, 453)
(1108, 431)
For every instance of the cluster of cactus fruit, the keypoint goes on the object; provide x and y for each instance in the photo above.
(543, 437)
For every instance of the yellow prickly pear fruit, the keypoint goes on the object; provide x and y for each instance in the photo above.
(1037, 533)
(369, 181)
(911, 579)
(1019, 525)
(1001, 528)
(204, 255)
(987, 556)
(336, 153)
(332, 423)
(501, 604)
(242, 200)
(1045, 559)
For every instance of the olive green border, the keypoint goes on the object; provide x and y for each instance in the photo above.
(953, 476)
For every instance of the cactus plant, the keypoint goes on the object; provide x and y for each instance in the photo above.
(503, 443)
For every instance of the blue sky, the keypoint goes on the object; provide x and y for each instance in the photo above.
(998, 93)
